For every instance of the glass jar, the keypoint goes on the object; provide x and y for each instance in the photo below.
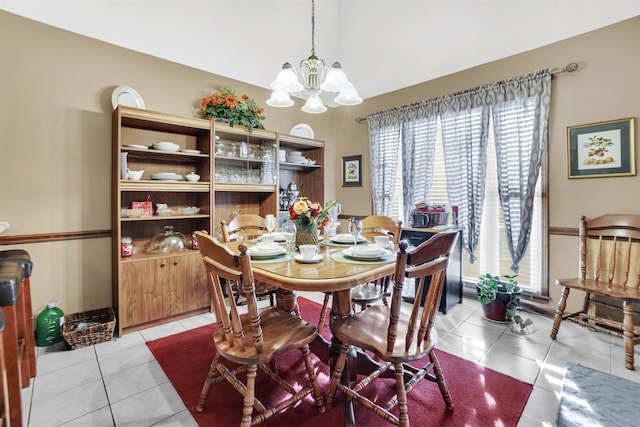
(219, 147)
(167, 241)
(126, 246)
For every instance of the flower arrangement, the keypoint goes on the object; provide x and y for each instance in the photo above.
(310, 215)
(236, 110)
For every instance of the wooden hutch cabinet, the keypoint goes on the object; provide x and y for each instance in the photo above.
(239, 173)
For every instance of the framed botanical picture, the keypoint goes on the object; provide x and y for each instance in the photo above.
(352, 171)
(602, 149)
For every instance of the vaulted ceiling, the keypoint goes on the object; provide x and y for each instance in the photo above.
(383, 45)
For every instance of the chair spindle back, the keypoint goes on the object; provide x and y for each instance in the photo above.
(243, 226)
(380, 225)
(610, 250)
(429, 259)
(222, 265)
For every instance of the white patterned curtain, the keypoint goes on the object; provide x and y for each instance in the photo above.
(465, 131)
(419, 129)
(520, 121)
(384, 145)
(519, 108)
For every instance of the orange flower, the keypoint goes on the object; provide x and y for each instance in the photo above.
(234, 110)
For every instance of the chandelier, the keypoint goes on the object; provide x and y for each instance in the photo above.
(312, 79)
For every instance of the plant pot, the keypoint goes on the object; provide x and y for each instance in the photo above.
(497, 310)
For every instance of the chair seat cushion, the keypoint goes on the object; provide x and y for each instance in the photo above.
(281, 331)
(614, 290)
(21, 257)
(11, 277)
(368, 330)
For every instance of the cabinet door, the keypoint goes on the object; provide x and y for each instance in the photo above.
(189, 289)
(145, 291)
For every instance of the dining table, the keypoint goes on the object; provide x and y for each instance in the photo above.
(335, 273)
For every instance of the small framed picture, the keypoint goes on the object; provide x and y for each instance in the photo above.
(352, 171)
(603, 149)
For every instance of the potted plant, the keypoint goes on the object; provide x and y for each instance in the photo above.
(226, 106)
(499, 299)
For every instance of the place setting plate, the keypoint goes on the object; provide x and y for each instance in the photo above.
(346, 239)
(316, 259)
(266, 251)
(366, 253)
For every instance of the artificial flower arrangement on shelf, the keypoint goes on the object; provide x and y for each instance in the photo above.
(308, 217)
(226, 106)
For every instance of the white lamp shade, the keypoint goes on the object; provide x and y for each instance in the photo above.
(280, 98)
(336, 80)
(314, 105)
(287, 81)
(348, 97)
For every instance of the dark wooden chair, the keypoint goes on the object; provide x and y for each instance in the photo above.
(243, 227)
(254, 340)
(394, 337)
(609, 276)
(366, 294)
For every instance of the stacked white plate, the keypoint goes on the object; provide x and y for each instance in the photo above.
(296, 157)
(166, 176)
(166, 146)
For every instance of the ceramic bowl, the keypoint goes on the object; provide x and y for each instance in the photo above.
(166, 146)
(134, 175)
(190, 210)
(192, 177)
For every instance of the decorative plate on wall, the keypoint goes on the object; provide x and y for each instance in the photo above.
(302, 130)
(124, 95)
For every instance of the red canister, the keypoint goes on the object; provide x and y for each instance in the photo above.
(126, 246)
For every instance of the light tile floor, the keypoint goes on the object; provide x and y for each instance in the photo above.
(119, 383)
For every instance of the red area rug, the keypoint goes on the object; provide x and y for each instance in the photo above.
(482, 397)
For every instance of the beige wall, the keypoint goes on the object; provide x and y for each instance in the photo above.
(55, 122)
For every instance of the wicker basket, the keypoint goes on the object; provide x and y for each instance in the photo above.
(102, 332)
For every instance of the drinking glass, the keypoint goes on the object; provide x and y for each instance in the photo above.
(355, 227)
(270, 222)
(288, 231)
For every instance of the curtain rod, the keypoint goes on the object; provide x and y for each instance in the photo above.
(569, 68)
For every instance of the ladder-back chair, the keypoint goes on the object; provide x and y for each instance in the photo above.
(254, 340)
(244, 227)
(393, 337)
(368, 293)
(609, 275)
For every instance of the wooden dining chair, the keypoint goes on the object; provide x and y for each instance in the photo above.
(366, 294)
(394, 337)
(246, 227)
(254, 340)
(609, 276)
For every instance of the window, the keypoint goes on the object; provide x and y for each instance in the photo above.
(492, 253)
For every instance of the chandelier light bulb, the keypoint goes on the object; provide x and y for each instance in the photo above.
(314, 105)
(287, 81)
(348, 96)
(336, 80)
(280, 98)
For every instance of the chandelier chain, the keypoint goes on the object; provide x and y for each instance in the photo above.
(313, 28)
